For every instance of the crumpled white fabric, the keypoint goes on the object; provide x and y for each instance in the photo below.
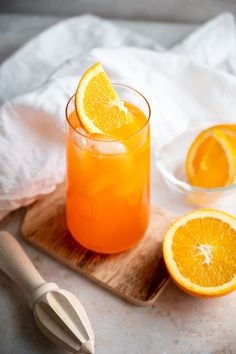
(193, 81)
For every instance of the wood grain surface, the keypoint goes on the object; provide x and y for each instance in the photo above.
(137, 275)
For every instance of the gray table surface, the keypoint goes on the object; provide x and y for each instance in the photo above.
(176, 324)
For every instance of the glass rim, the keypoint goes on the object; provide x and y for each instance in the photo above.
(116, 139)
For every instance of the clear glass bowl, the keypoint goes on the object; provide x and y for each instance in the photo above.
(170, 161)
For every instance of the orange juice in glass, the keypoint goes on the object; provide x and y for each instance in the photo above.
(108, 179)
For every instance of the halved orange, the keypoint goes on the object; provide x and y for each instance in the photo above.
(200, 252)
(97, 103)
(211, 159)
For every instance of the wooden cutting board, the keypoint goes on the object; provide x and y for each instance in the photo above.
(137, 275)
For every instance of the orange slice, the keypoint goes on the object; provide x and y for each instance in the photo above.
(97, 104)
(229, 130)
(211, 160)
(200, 252)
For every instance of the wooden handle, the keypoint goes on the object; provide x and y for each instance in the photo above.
(16, 264)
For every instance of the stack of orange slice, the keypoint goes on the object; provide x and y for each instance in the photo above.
(211, 159)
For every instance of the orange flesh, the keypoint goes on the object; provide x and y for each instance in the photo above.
(108, 193)
(209, 162)
(190, 261)
(210, 165)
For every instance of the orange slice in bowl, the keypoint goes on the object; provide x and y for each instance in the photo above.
(211, 160)
(200, 252)
(97, 103)
(229, 130)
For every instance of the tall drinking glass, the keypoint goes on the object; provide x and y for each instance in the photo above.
(108, 182)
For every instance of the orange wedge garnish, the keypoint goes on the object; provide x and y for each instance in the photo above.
(98, 106)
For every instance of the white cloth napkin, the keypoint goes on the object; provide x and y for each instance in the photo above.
(192, 82)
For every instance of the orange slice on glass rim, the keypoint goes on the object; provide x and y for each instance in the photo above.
(98, 106)
(200, 252)
(211, 159)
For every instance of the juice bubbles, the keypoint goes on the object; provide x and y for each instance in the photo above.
(107, 197)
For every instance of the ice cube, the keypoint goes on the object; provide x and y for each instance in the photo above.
(104, 144)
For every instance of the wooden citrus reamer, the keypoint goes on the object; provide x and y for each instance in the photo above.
(58, 313)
